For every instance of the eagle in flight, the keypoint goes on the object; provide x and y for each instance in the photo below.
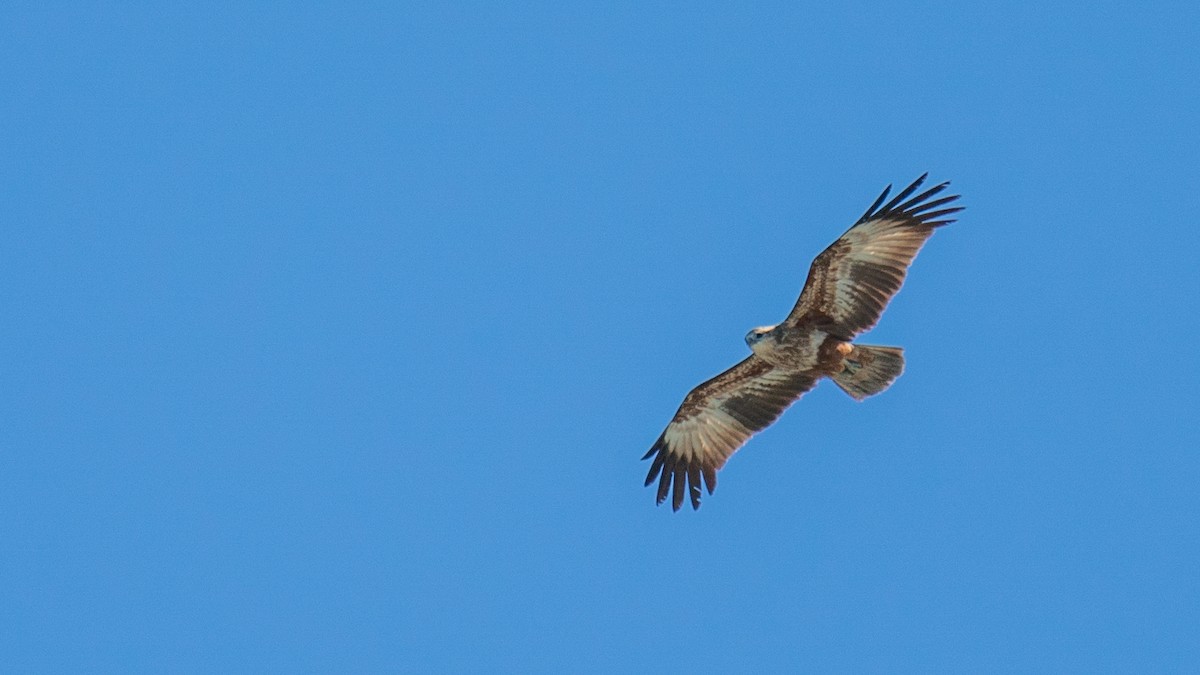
(848, 286)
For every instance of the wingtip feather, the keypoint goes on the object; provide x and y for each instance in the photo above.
(878, 200)
(678, 485)
(916, 208)
(664, 480)
(693, 484)
(903, 194)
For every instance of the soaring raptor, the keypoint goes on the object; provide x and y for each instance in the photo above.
(848, 286)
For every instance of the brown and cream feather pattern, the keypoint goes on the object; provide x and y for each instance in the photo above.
(848, 287)
(716, 419)
(851, 282)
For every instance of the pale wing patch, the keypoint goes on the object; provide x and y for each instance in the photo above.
(704, 436)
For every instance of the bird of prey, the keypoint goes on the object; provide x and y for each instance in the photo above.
(848, 286)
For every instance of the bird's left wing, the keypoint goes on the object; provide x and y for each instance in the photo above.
(852, 281)
(715, 419)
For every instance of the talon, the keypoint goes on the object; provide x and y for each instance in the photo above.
(845, 348)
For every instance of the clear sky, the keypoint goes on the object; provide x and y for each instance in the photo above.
(333, 336)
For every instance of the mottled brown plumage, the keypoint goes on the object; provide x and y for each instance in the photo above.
(848, 286)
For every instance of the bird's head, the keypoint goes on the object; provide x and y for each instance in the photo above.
(757, 334)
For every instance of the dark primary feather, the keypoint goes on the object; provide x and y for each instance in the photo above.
(912, 207)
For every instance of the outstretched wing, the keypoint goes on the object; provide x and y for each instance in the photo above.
(853, 280)
(715, 419)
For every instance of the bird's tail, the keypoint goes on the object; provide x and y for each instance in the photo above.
(869, 370)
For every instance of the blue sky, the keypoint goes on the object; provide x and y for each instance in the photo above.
(334, 335)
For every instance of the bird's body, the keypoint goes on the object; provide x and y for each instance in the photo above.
(848, 286)
(797, 350)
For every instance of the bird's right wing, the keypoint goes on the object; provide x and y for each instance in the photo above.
(715, 419)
